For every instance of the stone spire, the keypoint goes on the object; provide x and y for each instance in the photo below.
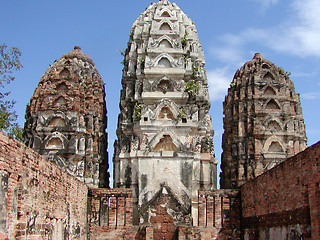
(164, 145)
(263, 123)
(66, 118)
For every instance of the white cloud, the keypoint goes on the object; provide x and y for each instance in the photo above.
(298, 34)
(231, 55)
(265, 4)
(219, 80)
(311, 95)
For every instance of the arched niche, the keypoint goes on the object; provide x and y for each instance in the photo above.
(165, 14)
(272, 105)
(270, 91)
(194, 47)
(165, 26)
(54, 143)
(268, 76)
(164, 63)
(273, 126)
(65, 73)
(275, 147)
(165, 85)
(165, 43)
(265, 66)
(166, 114)
(62, 87)
(165, 103)
(57, 122)
(165, 144)
(60, 102)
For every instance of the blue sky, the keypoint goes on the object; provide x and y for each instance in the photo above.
(286, 32)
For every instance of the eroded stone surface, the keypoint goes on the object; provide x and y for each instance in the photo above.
(66, 118)
(164, 129)
(263, 122)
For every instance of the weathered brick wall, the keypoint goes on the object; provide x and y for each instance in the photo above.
(110, 214)
(218, 216)
(38, 200)
(283, 203)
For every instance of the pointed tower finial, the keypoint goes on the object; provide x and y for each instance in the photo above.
(165, 2)
(257, 56)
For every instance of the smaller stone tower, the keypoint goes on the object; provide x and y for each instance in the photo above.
(263, 122)
(66, 118)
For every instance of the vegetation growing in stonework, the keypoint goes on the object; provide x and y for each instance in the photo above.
(184, 40)
(124, 62)
(181, 113)
(164, 89)
(9, 62)
(137, 111)
(185, 57)
(131, 35)
(192, 88)
(232, 84)
(142, 63)
(195, 70)
(282, 72)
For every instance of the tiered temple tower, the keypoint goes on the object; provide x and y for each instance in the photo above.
(263, 122)
(164, 150)
(66, 118)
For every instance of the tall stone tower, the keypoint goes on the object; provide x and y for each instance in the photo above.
(263, 122)
(164, 150)
(66, 118)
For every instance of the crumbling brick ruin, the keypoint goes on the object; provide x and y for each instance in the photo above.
(263, 123)
(66, 118)
(55, 186)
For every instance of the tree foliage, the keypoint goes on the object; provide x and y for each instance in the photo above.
(9, 62)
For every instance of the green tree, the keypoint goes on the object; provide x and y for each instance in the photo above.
(9, 62)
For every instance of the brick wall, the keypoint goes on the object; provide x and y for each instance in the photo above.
(38, 200)
(283, 203)
(218, 216)
(110, 214)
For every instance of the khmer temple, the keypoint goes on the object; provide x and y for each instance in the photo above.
(55, 185)
(263, 123)
(164, 146)
(66, 118)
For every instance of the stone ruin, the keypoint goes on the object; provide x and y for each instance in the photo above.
(263, 123)
(164, 163)
(164, 147)
(66, 118)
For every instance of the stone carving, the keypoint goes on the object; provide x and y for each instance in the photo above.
(124, 144)
(189, 64)
(135, 143)
(144, 142)
(167, 137)
(165, 144)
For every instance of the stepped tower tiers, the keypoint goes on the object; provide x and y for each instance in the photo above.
(164, 147)
(66, 118)
(263, 123)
